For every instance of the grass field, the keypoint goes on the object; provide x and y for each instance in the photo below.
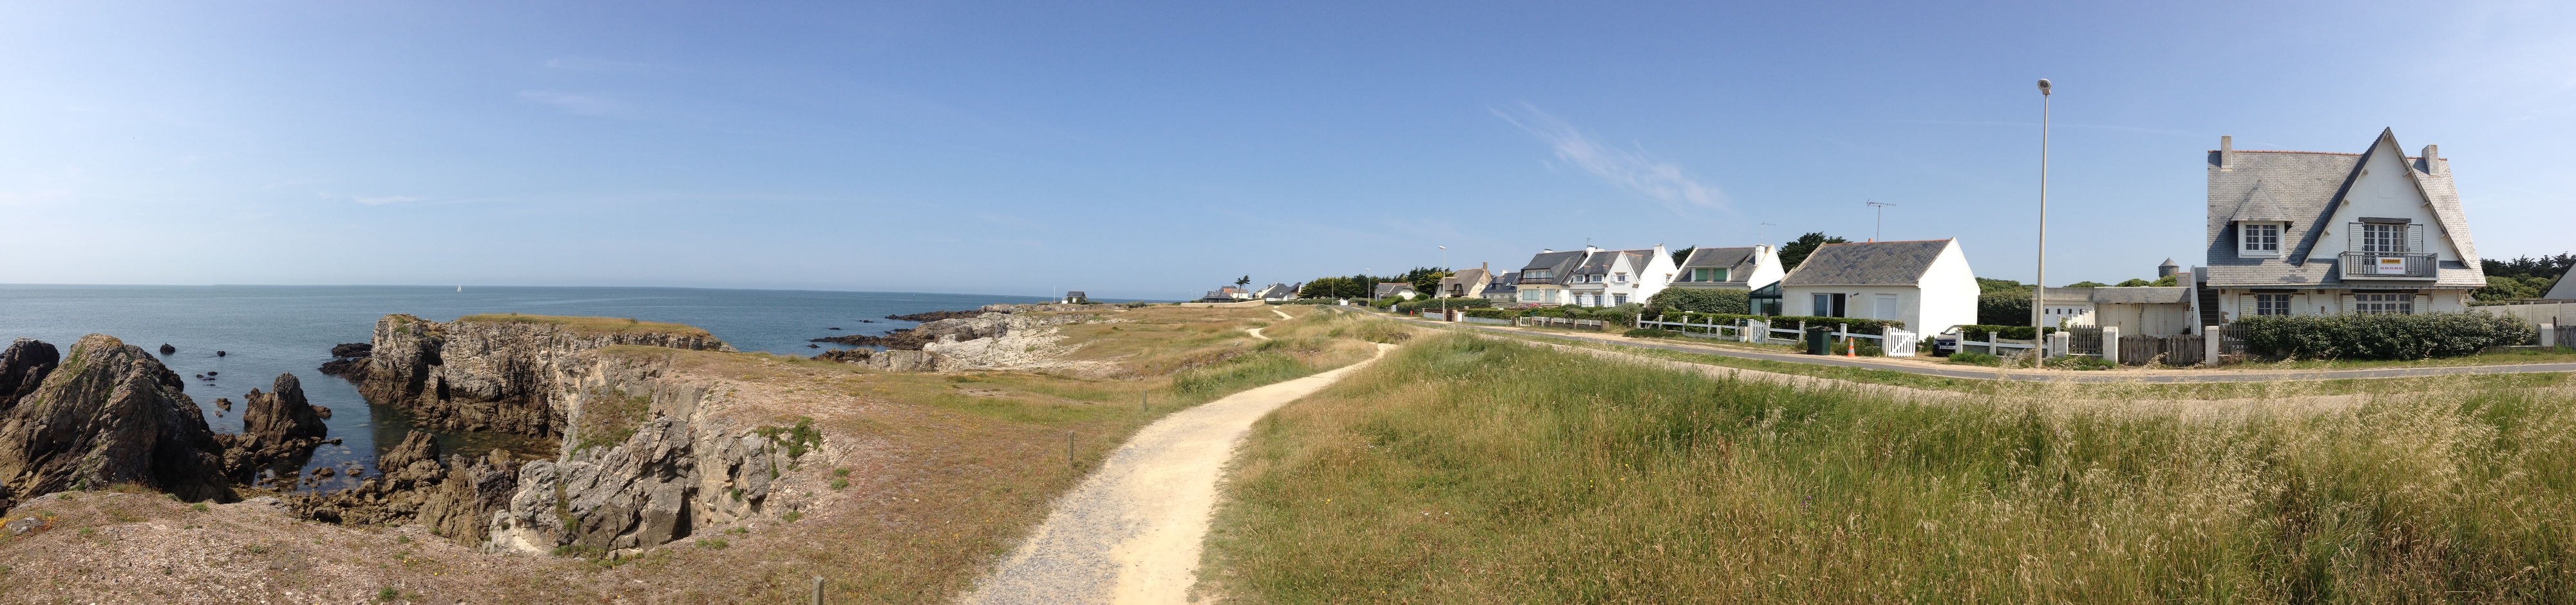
(1475, 470)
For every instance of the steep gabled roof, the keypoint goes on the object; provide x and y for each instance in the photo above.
(1868, 264)
(1554, 261)
(1741, 261)
(2306, 188)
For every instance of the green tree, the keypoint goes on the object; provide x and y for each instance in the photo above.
(2088, 284)
(1682, 255)
(2003, 302)
(2133, 283)
(1796, 250)
(1243, 281)
(1698, 301)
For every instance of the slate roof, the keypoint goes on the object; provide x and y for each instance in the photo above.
(1390, 288)
(1867, 264)
(1468, 277)
(1560, 264)
(2069, 295)
(1738, 261)
(1508, 282)
(2141, 295)
(1601, 262)
(2302, 187)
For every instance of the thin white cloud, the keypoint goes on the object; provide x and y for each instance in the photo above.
(1631, 170)
(577, 103)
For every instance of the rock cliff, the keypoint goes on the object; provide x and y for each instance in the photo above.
(455, 497)
(491, 372)
(22, 367)
(109, 413)
(648, 459)
(277, 426)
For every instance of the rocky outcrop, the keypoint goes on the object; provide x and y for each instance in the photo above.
(348, 360)
(109, 414)
(891, 361)
(646, 462)
(932, 316)
(348, 350)
(23, 366)
(278, 426)
(462, 507)
(455, 496)
(981, 325)
(493, 374)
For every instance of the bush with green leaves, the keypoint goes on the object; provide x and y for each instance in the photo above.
(1692, 300)
(1496, 313)
(1419, 304)
(2394, 337)
(1858, 325)
(1978, 332)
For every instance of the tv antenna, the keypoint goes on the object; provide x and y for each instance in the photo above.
(1881, 227)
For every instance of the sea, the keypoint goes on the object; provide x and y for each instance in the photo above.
(263, 331)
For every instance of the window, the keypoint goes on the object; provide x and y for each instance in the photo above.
(1536, 277)
(2271, 304)
(1618, 299)
(1718, 274)
(2382, 237)
(1828, 305)
(2261, 239)
(2383, 304)
(1622, 278)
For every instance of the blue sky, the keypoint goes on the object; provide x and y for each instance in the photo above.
(1154, 150)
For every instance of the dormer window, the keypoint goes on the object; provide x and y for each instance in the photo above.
(1622, 278)
(1718, 274)
(2259, 239)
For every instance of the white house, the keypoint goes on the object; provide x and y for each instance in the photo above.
(1609, 278)
(1926, 284)
(2318, 233)
(1740, 268)
(1469, 283)
(2135, 310)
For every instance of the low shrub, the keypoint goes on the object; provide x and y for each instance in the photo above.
(2391, 337)
(1435, 303)
(1496, 313)
(1979, 332)
(2082, 362)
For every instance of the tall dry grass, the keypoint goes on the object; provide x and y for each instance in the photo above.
(1468, 470)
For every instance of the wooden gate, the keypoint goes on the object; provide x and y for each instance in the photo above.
(2084, 340)
(2175, 350)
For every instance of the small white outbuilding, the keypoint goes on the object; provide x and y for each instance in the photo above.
(1925, 283)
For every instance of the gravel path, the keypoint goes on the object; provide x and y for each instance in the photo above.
(1131, 532)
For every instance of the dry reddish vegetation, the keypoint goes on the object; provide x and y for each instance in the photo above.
(937, 476)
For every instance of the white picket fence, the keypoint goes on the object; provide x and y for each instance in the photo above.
(1745, 330)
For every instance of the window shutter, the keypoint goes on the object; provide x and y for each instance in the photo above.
(2347, 304)
(2356, 237)
(2299, 304)
(2245, 306)
(2423, 304)
(2414, 237)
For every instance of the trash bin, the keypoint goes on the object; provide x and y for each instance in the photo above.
(1820, 340)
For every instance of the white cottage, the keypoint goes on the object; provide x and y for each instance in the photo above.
(1739, 268)
(1926, 284)
(2319, 233)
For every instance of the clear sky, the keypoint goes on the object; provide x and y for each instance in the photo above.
(1155, 150)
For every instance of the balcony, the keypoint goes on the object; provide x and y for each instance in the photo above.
(2389, 265)
(1537, 280)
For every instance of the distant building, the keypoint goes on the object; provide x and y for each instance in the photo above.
(1740, 268)
(1276, 292)
(1504, 290)
(1075, 297)
(1394, 289)
(1469, 283)
(1226, 295)
(2322, 233)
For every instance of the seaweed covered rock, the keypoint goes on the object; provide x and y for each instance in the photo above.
(109, 413)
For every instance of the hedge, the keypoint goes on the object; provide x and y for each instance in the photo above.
(1432, 303)
(2399, 337)
(1977, 333)
(1677, 300)
(1860, 326)
(1494, 313)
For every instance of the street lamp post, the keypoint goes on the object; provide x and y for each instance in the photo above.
(2039, 291)
(1444, 296)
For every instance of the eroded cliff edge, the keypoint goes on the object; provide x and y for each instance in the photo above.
(493, 372)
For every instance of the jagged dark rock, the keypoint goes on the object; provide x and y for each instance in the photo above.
(24, 366)
(278, 426)
(325, 413)
(167, 349)
(931, 316)
(494, 375)
(109, 414)
(219, 354)
(223, 403)
(345, 368)
(461, 507)
(352, 349)
(455, 498)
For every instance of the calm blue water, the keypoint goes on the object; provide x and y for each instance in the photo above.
(268, 330)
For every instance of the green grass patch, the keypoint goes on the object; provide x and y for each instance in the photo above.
(1472, 470)
(609, 418)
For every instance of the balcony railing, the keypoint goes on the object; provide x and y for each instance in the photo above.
(1538, 280)
(2388, 265)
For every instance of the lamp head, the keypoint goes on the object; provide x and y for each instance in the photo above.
(2043, 87)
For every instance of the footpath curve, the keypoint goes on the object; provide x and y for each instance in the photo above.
(1132, 532)
(2039, 376)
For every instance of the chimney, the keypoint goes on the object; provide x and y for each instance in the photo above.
(1485, 267)
(1547, 251)
(2226, 147)
(2432, 159)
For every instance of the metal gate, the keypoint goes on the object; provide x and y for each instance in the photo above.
(2084, 340)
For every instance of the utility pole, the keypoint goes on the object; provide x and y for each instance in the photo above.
(2039, 291)
(1879, 231)
(1444, 296)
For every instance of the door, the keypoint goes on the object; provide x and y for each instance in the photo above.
(1883, 306)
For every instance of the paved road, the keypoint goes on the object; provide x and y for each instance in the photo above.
(2040, 376)
(1131, 533)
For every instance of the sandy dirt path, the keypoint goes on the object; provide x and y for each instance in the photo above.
(1131, 533)
(1282, 314)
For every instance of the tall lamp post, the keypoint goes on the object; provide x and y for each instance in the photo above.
(2039, 292)
(1444, 296)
